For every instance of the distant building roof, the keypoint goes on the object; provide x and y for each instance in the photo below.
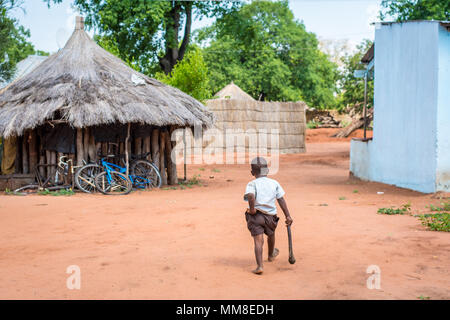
(24, 67)
(232, 91)
(369, 54)
(368, 57)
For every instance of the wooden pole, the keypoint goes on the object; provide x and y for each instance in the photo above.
(138, 146)
(162, 147)
(147, 147)
(42, 170)
(48, 160)
(92, 149)
(18, 161)
(25, 163)
(127, 164)
(33, 151)
(98, 148)
(171, 165)
(80, 148)
(86, 145)
(155, 147)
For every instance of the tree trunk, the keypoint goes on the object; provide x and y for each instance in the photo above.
(174, 52)
(356, 124)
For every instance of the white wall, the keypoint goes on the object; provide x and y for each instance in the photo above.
(406, 93)
(443, 113)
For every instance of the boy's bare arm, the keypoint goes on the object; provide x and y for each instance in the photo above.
(283, 206)
(251, 203)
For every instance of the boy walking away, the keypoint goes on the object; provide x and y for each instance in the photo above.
(261, 214)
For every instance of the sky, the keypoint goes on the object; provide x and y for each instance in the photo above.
(328, 19)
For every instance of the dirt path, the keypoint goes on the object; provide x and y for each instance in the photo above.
(193, 243)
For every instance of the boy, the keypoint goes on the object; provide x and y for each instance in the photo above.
(261, 215)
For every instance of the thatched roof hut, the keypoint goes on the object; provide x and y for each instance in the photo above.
(232, 91)
(78, 101)
(85, 85)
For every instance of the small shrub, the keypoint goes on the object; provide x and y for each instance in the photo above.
(342, 198)
(404, 209)
(355, 191)
(191, 182)
(215, 170)
(445, 207)
(436, 221)
(62, 192)
(313, 124)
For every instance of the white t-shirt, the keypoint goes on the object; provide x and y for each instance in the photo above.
(266, 190)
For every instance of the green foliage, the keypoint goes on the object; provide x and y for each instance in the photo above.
(215, 170)
(421, 297)
(342, 198)
(352, 89)
(146, 34)
(63, 192)
(355, 191)
(270, 55)
(195, 180)
(13, 39)
(190, 76)
(445, 207)
(402, 10)
(436, 221)
(404, 209)
(313, 124)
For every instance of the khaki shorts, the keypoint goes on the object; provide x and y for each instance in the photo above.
(260, 223)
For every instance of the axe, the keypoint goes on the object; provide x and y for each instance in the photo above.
(291, 253)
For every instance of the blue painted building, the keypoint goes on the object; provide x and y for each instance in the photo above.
(411, 138)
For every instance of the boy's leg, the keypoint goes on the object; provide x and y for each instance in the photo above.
(259, 241)
(273, 252)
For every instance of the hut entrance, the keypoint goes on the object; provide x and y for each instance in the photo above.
(49, 143)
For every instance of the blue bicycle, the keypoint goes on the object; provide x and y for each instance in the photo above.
(113, 180)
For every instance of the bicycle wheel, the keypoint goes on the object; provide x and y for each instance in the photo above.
(29, 189)
(146, 173)
(84, 177)
(113, 183)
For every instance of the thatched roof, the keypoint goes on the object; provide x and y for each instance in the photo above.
(86, 86)
(232, 91)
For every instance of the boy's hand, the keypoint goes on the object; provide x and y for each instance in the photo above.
(249, 211)
(289, 220)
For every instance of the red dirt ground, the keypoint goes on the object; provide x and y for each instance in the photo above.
(193, 243)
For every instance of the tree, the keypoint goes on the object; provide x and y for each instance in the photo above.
(402, 10)
(190, 76)
(147, 33)
(13, 39)
(352, 89)
(270, 55)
